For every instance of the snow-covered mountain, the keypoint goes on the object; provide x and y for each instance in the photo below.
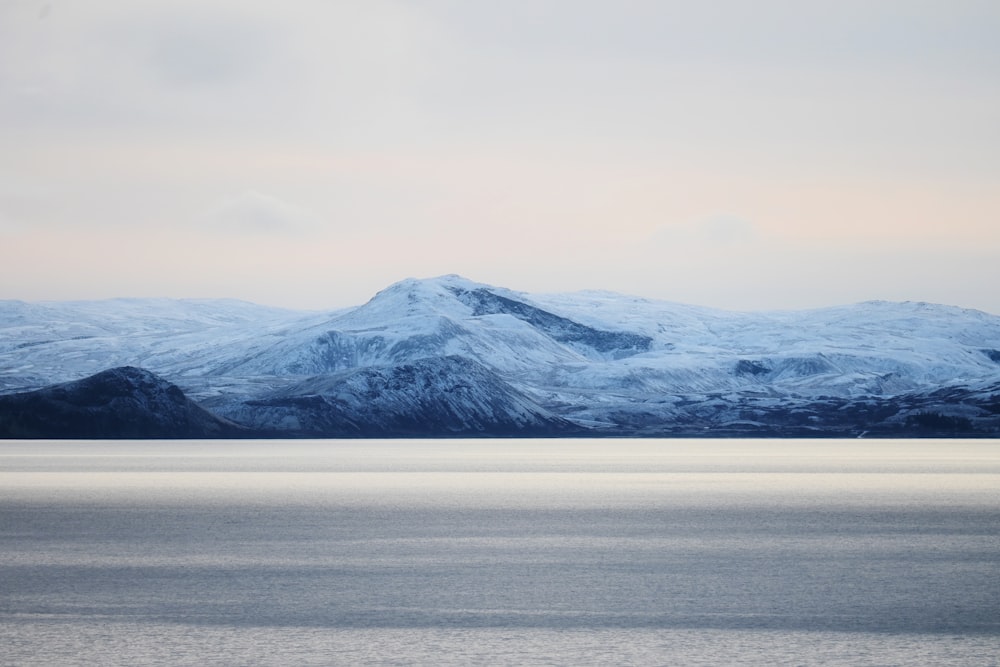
(603, 361)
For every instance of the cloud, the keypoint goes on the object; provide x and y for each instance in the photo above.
(717, 231)
(254, 213)
(189, 68)
(187, 52)
(726, 230)
(9, 224)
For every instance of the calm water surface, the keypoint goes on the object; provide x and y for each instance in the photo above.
(500, 552)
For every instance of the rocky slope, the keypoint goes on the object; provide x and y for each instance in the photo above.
(432, 397)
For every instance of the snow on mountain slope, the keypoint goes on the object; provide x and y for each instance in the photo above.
(58, 341)
(415, 319)
(872, 347)
(436, 396)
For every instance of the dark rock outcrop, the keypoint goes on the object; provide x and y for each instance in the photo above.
(618, 344)
(124, 402)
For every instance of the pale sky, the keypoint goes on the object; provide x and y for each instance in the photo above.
(746, 155)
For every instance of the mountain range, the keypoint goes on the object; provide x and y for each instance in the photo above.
(450, 357)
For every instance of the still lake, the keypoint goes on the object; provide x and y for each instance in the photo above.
(584, 552)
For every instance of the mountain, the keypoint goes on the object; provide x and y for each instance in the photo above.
(117, 403)
(451, 356)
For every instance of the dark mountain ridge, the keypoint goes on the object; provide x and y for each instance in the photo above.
(124, 402)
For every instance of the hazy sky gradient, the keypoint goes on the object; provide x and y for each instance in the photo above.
(742, 155)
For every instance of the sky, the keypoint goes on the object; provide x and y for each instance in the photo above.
(746, 155)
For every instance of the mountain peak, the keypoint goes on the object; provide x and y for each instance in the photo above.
(430, 285)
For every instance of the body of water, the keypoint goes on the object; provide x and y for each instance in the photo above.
(500, 552)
